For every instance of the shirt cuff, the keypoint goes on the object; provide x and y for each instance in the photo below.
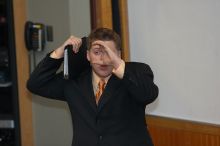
(119, 72)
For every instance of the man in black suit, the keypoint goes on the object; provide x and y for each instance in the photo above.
(117, 116)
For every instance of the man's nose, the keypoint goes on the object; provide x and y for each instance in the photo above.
(102, 55)
(101, 58)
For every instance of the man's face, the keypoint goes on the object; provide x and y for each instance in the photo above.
(100, 60)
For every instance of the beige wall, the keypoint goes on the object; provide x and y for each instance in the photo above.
(180, 41)
(52, 121)
(79, 11)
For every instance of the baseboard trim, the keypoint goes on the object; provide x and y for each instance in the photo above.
(176, 132)
(185, 125)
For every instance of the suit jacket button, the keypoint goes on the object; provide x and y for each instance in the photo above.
(100, 137)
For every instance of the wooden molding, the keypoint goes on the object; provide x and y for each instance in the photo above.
(185, 125)
(123, 10)
(25, 102)
(102, 13)
(101, 16)
(176, 132)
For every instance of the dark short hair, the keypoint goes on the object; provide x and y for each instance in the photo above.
(104, 34)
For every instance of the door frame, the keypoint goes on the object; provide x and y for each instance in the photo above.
(102, 16)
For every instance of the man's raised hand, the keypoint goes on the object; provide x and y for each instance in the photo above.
(72, 40)
(113, 55)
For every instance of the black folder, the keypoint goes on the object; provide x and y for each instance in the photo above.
(77, 62)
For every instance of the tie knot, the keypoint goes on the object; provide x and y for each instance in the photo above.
(101, 87)
(101, 84)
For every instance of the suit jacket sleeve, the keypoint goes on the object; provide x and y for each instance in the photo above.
(45, 82)
(138, 78)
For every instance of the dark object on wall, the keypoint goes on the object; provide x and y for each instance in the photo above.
(35, 36)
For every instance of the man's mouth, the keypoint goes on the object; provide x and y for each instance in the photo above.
(103, 67)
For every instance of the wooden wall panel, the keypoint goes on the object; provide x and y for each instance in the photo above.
(101, 16)
(174, 132)
(25, 102)
(123, 10)
(102, 13)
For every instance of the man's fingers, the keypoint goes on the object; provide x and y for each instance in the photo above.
(101, 44)
(75, 42)
(105, 47)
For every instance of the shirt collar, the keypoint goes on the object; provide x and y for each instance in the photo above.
(96, 79)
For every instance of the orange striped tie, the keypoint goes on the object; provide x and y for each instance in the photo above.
(101, 87)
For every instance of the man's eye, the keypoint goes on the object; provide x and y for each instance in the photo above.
(96, 52)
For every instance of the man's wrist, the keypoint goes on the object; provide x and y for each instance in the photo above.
(117, 63)
(119, 71)
(55, 55)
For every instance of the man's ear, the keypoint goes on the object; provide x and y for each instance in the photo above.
(87, 55)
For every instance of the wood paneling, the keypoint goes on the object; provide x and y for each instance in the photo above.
(174, 132)
(101, 16)
(102, 13)
(123, 9)
(25, 103)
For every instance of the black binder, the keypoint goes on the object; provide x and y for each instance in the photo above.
(76, 63)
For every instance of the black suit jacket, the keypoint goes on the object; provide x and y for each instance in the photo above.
(118, 119)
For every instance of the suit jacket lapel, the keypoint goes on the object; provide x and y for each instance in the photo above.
(110, 89)
(86, 88)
